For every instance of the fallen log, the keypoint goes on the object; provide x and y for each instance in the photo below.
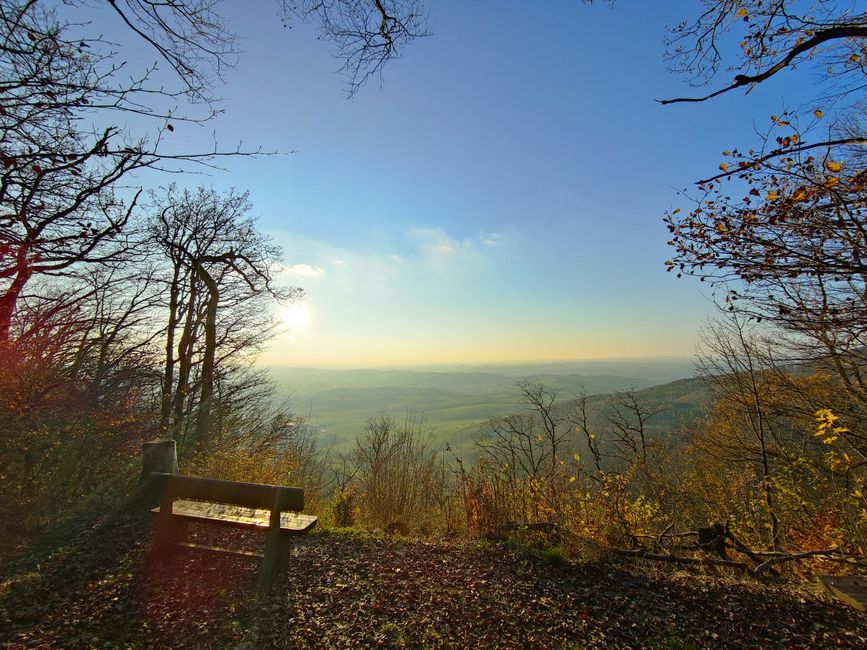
(826, 554)
(777, 558)
(686, 533)
(677, 559)
(713, 539)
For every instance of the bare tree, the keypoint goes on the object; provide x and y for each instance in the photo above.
(742, 379)
(60, 202)
(364, 34)
(527, 450)
(532, 442)
(400, 476)
(628, 417)
(581, 421)
(219, 269)
(776, 36)
(789, 248)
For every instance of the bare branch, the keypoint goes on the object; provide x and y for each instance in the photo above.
(844, 31)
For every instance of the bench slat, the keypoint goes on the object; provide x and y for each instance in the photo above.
(219, 549)
(240, 516)
(253, 495)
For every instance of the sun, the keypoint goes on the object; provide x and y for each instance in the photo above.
(297, 317)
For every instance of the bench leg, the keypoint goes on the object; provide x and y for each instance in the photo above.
(169, 531)
(276, 560)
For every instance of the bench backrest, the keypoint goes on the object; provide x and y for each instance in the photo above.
(252, 495)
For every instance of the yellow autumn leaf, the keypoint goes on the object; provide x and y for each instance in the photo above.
(771, 195)
(799, 195)
(832, 181)
(723, 166)
(833, 166)
(741, 12)
(818, 113)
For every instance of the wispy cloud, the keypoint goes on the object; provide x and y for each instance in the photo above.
(433, 242)
(306, 271)
(417, 250)
(436, 245)
(493, 239)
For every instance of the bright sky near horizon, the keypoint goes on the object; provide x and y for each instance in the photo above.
(499, 198)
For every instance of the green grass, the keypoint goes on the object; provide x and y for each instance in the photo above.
(554, 555)
(347, 532)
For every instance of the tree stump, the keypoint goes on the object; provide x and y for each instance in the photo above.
(713, 538)
(159, 456)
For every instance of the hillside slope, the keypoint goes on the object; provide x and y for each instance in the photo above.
(345, 589)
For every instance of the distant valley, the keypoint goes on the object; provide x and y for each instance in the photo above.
(454, 400)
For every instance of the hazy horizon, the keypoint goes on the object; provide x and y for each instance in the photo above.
(457, 365)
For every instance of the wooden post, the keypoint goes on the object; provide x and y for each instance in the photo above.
(169, 529)
(159, 456)
(276, 551)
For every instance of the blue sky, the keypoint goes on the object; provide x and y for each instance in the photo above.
(498, 198)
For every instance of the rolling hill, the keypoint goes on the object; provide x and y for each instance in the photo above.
(454, 400)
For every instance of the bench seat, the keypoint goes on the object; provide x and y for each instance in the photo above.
(240, 516)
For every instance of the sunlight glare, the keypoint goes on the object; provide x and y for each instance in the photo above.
(297, 317)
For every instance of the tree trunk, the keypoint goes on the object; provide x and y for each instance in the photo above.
(9, 299)
(185, 362)
(169, 371)
(206, 396)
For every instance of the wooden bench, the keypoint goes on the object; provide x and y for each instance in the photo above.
(244, 505)
(852, 590)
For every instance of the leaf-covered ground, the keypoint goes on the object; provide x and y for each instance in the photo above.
(351, 590)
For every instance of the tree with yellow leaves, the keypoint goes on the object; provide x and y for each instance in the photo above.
(780, 230)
